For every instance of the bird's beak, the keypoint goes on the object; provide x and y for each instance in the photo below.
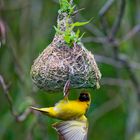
(39, 109)
(34, 108)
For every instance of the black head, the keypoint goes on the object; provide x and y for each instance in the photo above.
(84, 97)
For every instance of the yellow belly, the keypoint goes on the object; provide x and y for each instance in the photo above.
(69, 110)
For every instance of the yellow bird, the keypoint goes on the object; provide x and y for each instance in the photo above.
(74, 125)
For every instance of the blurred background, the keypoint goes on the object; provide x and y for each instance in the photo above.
(26, 28)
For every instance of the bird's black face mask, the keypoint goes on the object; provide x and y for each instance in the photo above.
(84, 97)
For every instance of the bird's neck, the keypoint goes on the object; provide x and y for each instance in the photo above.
(84, 105)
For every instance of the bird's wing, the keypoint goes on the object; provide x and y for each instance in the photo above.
(72, 130)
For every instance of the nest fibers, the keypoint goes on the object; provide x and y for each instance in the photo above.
(60, 62)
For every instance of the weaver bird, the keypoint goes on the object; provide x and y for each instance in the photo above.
(74, 125)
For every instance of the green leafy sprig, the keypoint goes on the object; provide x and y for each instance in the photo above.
(65, 6)
(70, 36)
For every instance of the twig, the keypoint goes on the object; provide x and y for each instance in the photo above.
(101, 40)
(114, 82)
(102, 13)
(114, 63)
(6, 92)
(117, 22)
(131, 33)
(129, 70)
(19, 118)
(90, 27)
(77, 11)
(117, 57)
(105, 27)
(131, 75)
(106, 7)
(24, 115)
(107, 60)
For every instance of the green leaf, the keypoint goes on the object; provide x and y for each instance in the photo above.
(82, 36)
(72, 9)
(77, 24)
(77, 33)
(57, 30)
(72, 37)
(67, 38)
(64, 5)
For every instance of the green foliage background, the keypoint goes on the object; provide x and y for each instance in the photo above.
(114, 113)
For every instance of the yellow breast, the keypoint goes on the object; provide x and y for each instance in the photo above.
(69, 110)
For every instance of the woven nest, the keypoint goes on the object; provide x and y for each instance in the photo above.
(60, 62)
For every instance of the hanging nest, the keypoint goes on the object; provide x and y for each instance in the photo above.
(64, 59)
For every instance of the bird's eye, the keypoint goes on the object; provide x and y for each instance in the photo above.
(84, 97)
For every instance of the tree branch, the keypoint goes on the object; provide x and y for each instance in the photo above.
(131, 75)
(90, 27)
(106, 7)
(101, 40)
(118, 20)
(131, 33)
(114, 82)
(18, 118)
